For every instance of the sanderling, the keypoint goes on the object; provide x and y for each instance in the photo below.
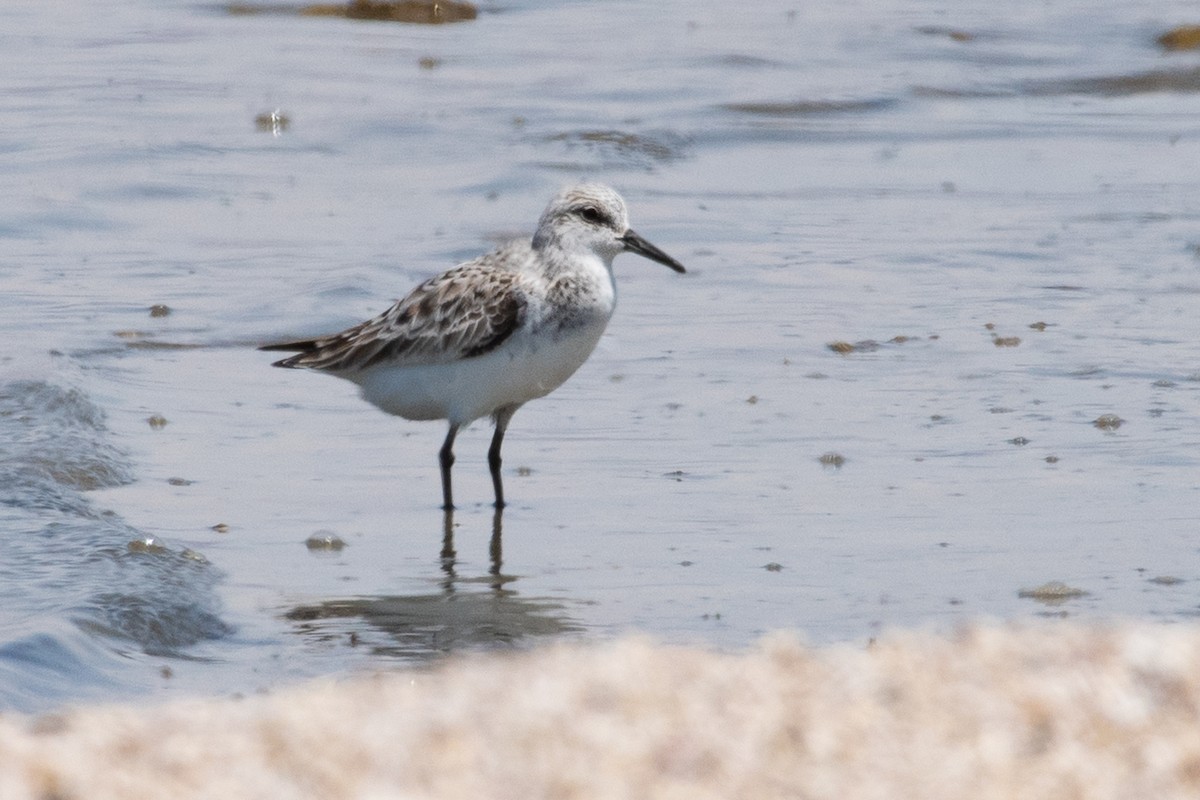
(494, 333)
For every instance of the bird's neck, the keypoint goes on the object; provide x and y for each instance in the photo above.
(558, 260)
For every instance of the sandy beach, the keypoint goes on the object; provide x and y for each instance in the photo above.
(1054, 710)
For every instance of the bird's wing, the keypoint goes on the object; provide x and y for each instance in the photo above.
(462, 313)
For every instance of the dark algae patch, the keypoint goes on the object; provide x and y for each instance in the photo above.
(1184, 37)
(422, 12)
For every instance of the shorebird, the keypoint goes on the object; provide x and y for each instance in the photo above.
(489, 335)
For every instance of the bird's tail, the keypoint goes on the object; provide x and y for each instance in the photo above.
(300, 348)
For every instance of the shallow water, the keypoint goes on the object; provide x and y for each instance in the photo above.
(1002, 199)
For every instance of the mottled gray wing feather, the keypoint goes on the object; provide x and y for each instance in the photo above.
(462, 313)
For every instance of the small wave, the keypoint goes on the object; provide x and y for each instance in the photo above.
(75, 593)
(53, 439)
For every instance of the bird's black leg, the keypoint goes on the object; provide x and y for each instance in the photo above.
(446, 459)
(502, 417)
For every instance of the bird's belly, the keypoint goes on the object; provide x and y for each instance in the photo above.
(523, 368)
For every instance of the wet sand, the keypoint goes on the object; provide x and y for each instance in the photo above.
(1053, 710)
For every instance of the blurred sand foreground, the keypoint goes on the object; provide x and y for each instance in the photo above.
(1054, 711)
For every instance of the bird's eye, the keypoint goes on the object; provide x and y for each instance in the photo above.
(591, 214)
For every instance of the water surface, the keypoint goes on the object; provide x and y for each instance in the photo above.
(994, 205)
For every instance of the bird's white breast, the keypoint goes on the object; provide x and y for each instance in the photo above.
(551, 344)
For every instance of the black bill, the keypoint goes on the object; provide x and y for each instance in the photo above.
(636, 244)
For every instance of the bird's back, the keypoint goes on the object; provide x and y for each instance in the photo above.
(461, 313)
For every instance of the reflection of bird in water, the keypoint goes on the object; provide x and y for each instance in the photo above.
(468, 612)
(489, 335)
(449, 556)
